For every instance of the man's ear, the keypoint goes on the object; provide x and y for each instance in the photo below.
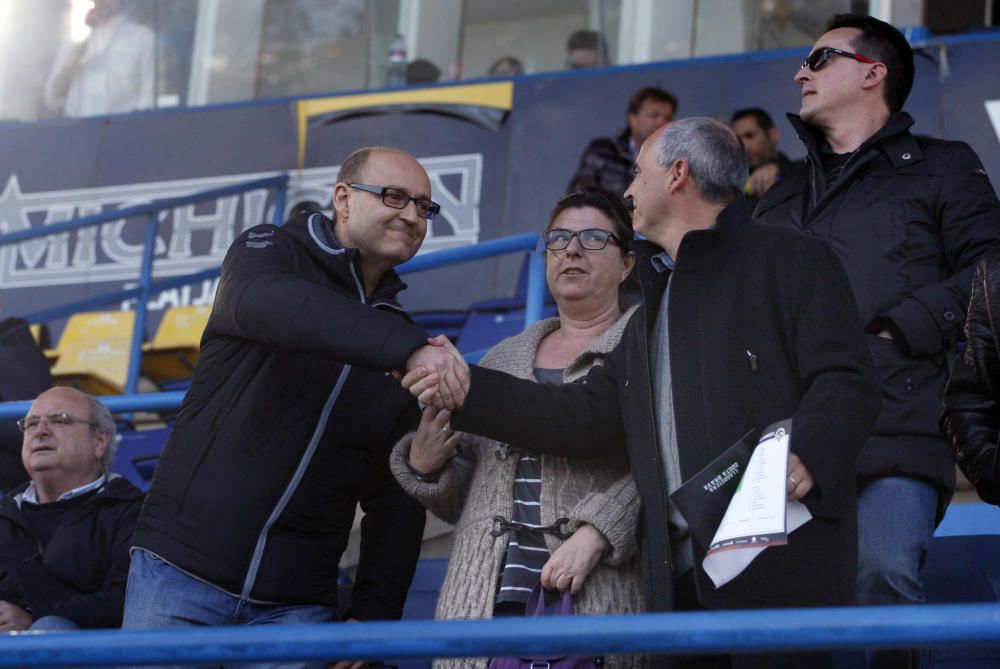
(678, 175)
(101, 447)
(341, 200)
(772, 134)
(876, 74)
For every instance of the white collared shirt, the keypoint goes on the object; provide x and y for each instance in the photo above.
(31, 492)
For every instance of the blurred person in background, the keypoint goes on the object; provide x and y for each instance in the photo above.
(585, 49)
(757, 131)
(607, 162)
(112, 71)
(24, 372)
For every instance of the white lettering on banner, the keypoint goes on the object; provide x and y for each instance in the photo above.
(193, 237)
(993, 111)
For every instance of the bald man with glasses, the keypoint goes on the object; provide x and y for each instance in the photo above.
(290, 418)
(65, 535)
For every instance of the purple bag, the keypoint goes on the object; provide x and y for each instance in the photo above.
(535, 608)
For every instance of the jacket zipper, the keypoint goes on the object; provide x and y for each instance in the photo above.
(300, 470)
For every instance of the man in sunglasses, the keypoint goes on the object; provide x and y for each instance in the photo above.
(290, 419)
(908, 217)
(65, 535)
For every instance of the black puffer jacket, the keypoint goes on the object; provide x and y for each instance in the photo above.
(908, 218)
(287, 426)
(972, 400)
(24, 374)
(80, 573)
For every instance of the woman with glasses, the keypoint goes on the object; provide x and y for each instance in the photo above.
(521, 518)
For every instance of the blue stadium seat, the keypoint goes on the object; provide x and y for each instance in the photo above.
(138, 453)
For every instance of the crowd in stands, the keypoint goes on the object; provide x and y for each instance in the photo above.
(830, 291)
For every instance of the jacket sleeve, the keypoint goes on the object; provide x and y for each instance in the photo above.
(589, 173)
(840, 393)
(391, 533)
(968, 212)
(100, 607)
(971, 417)
(576, 420)
(614, 512)
(260, 297)
(445, 498)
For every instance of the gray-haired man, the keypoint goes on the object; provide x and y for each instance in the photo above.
(709, 356)
(65, 535)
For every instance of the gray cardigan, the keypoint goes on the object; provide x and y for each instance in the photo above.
(478, 485)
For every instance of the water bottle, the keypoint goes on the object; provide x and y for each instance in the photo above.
(395, 73)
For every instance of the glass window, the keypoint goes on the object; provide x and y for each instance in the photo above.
(532, 36)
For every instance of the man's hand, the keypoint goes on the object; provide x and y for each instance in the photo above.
(434, 442)
(571, 563)
(763, 178)
(437, 375)
(799, 481)
(13, 618)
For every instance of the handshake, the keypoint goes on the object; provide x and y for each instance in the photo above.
(437, 375)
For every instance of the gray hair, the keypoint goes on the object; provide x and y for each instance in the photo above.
(103, 423)
(714, 153)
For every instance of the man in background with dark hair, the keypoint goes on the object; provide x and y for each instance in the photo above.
(908, 217)
(607, 161)
(585, 49)
(290, 419)
(757, 131)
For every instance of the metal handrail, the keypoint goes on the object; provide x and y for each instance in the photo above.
(769, 630)
(146, 287)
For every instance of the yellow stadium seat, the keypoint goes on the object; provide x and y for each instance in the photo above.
(93, 352)
(175, 349)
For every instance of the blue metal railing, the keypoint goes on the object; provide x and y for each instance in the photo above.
(147, 287)
(670, 633)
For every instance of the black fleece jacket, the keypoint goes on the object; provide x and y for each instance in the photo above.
(80, 572)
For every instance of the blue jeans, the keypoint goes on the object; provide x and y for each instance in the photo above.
(160, 595)
(895, 527)
(53, 624)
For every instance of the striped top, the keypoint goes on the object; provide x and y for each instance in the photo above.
(526, 551)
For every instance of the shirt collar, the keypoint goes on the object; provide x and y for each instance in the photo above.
(30, 493)
(662, 262)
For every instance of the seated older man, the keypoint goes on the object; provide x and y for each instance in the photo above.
(65, 535)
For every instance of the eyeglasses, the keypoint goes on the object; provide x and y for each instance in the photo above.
(592, 239)
(60, 418)
(818, 58)
(398, 199)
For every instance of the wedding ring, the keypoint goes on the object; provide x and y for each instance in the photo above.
(792, 479)
(446, 430)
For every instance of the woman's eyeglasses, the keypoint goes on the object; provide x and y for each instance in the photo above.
(592, 239)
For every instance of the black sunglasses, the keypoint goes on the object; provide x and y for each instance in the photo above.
(398, 198)
(818, 58)
(592, 239)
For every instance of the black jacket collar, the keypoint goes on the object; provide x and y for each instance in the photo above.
(314, 231)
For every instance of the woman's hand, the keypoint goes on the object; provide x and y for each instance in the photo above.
(434, 442)
(571, 563)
